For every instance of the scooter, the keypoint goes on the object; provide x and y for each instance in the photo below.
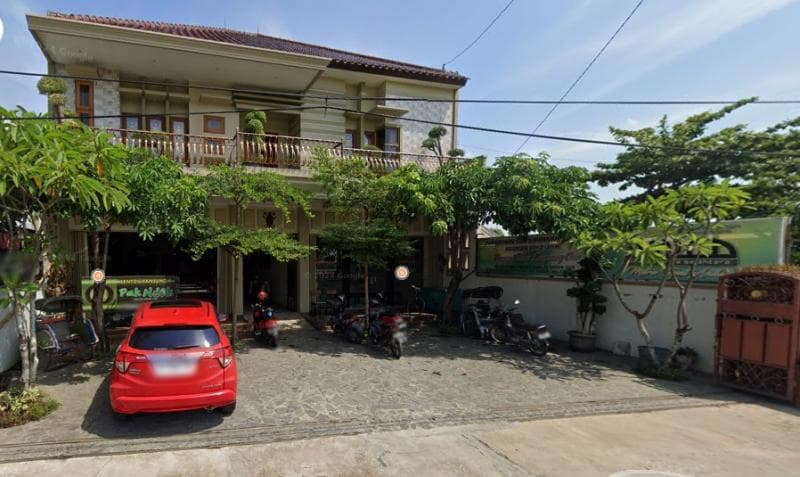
(265, 325)
(385, 328)
(510, 327)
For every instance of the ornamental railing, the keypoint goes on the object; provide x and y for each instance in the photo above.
(258, 150)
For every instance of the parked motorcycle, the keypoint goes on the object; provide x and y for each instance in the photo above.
(337, 320)
(481, 306)
(510, 327)
(385, 328)
(62, 331)
(265, 325)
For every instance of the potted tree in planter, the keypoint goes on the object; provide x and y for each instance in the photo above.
(589, 303)
(255, 124)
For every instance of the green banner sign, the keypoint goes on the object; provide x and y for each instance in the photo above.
(740, 243)
(127, 292)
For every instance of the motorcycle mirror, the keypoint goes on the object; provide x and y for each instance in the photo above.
(516, 302)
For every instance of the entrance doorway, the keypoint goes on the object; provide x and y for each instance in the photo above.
(278, 279)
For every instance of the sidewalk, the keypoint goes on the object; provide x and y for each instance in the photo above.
(728, 440)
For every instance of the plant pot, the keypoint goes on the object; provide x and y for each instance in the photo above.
(581, 342)
(644, 356)
(684, 362)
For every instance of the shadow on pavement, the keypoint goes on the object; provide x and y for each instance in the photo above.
(99, 420)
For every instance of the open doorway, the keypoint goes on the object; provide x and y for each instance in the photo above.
(278, 279)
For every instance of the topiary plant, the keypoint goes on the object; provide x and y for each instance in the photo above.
(49, 85)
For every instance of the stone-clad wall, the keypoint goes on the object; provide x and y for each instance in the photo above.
(106, 94)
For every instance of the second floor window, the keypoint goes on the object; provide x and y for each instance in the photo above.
(369, 139)
(389, 139)
(214, 124)
(84, 101)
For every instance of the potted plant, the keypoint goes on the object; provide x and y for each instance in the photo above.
(685, 358)
(589, 304)
(255, 124)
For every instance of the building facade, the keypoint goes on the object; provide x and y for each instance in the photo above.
(184, 90)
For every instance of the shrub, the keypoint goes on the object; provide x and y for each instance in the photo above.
(670, 374)
(19, 407)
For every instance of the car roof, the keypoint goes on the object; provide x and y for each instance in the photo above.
(180, 311)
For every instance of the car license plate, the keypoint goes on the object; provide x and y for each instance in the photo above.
(172, 367)
(544, 336)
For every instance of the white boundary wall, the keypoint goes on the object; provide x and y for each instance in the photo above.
(546, 301)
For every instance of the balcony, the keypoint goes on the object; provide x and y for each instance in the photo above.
(294, 154)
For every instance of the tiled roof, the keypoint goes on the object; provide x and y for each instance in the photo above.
(340, 59)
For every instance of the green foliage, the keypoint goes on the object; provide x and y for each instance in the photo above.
(772, 182)
(369, 244)
(530, 195)
(241, 241)
(164, 200)
(49, 85)
(433, 142)
(19, 407)
(57, 99)
(590, 303)
(255, 122)
(243, 188)
(369, 206)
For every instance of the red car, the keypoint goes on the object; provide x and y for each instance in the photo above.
(174, 358)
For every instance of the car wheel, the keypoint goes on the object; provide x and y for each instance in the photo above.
(228, 410)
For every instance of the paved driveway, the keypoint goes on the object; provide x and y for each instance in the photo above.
(316, 384)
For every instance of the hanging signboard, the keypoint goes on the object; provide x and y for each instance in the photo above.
(127, 292)
(740, 243)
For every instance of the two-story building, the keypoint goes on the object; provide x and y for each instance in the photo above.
(183, 91)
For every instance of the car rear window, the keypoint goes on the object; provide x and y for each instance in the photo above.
(174, 337)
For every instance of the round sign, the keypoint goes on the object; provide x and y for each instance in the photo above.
(98, 275)
(401, 272)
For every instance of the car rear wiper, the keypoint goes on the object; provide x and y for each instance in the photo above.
(186, 346)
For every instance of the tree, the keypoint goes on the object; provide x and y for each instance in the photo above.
(530, 195)
(773, 182)
(48, 171)
(370, 209)
(55, 89)
(457, 202)
(161, 200)
(654, 235)
(242, 188)
(433, 143)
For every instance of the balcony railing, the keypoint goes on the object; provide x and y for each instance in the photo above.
(268, 150)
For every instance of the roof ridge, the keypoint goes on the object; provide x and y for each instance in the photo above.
(115, 21)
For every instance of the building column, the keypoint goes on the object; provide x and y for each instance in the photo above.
(304, 275)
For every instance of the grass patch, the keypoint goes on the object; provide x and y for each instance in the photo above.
(19, 407)
(670, 374)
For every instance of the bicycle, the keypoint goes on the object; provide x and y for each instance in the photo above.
(416, 304)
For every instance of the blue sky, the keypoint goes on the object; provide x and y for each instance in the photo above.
(670, 49)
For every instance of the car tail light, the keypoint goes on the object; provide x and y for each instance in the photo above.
(225, 357)
(123, 361)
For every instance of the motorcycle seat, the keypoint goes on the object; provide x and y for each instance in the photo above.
(521, 323)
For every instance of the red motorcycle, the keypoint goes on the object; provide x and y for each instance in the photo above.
(265, 325)
(385, 328)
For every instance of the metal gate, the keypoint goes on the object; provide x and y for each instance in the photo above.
(757, 333)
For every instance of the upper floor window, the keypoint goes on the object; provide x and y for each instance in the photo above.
(84, 101)
(349, 139)
(389, 139)
(155, 123)
(214, 124)
(369, 139)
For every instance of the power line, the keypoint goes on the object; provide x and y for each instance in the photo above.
(683, 150)
(336, 97)
(583, 73)
(497, 17)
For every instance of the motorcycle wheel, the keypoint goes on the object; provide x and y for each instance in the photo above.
(497, 334)
(538, 347)
(469, 325)
(396, 349)
(272, 341)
